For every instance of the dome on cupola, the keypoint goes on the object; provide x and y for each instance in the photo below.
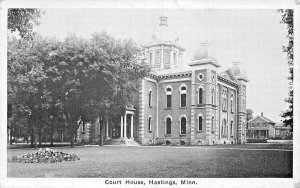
(238, 72)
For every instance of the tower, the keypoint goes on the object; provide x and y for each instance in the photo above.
(242, 79)
(161, 52)
(204, 95)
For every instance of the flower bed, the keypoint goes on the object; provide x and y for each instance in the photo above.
(45, 155)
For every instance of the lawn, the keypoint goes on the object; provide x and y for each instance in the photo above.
(159, 162)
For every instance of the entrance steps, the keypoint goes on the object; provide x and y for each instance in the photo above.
(121, 142)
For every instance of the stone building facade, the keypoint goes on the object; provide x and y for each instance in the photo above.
(186, 105)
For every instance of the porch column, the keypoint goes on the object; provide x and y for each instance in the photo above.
(121, 134)
(131, 127)
(125, 125)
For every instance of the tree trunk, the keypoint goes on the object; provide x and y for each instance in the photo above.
(10, 136)
(40, 136)
(52, 132)
(35, 139)
(32, 137)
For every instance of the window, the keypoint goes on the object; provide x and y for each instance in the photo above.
(183, 96)
(200, 96)
(169, 96)
(200, 77)
(212, 124)
(150, 58)
(200, 123)
(157, 59)
(224, 100)
(212, 96)
(231, 128)
(175, 59)
(224, 128)
(149, 123)
(150, 98)
(183, 125)
(168, 125)
(166, 59)
(231, 103)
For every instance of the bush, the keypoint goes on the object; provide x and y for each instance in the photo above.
(257, 141)
(45, 155)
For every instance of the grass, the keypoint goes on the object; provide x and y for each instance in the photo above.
(159, 162)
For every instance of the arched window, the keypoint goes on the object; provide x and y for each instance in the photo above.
(149, 123)
(183, 96)
(150, 98)
(200, 96)
(200, 123)
(231, 103)
(183, 125)
(169, 96)
(224, 99)
(168, 125)
(231, 128)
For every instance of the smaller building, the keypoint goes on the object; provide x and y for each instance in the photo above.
(260, 127)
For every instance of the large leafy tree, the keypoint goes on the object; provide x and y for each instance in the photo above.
(23, 20)
(287, 17)
(55, 84)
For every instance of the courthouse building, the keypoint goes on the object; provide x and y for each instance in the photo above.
(185, 105)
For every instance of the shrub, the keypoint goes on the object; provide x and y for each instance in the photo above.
(45, 155)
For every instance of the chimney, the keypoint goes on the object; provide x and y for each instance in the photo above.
(262, 114)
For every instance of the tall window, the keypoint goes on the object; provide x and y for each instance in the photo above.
(212, 123)
(149, 123)
(224, 128)
(200, 96)
(169, 97)
(168, 125)
(212, 96)
(157, 59)
(231, 103)
(183, 125)
(175, 58)
(183, 96)
(224, 99)
(150, 98)
(150, 58)
(200, 123)
(231, 128)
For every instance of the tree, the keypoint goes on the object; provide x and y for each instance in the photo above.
(287, 17)
(23, 20)
(54, 85)
(249, 113)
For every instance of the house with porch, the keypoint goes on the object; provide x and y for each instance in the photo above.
(260, 127)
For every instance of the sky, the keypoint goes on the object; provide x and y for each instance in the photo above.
(253, 37)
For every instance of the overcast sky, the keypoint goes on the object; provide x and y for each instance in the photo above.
(254, 37)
